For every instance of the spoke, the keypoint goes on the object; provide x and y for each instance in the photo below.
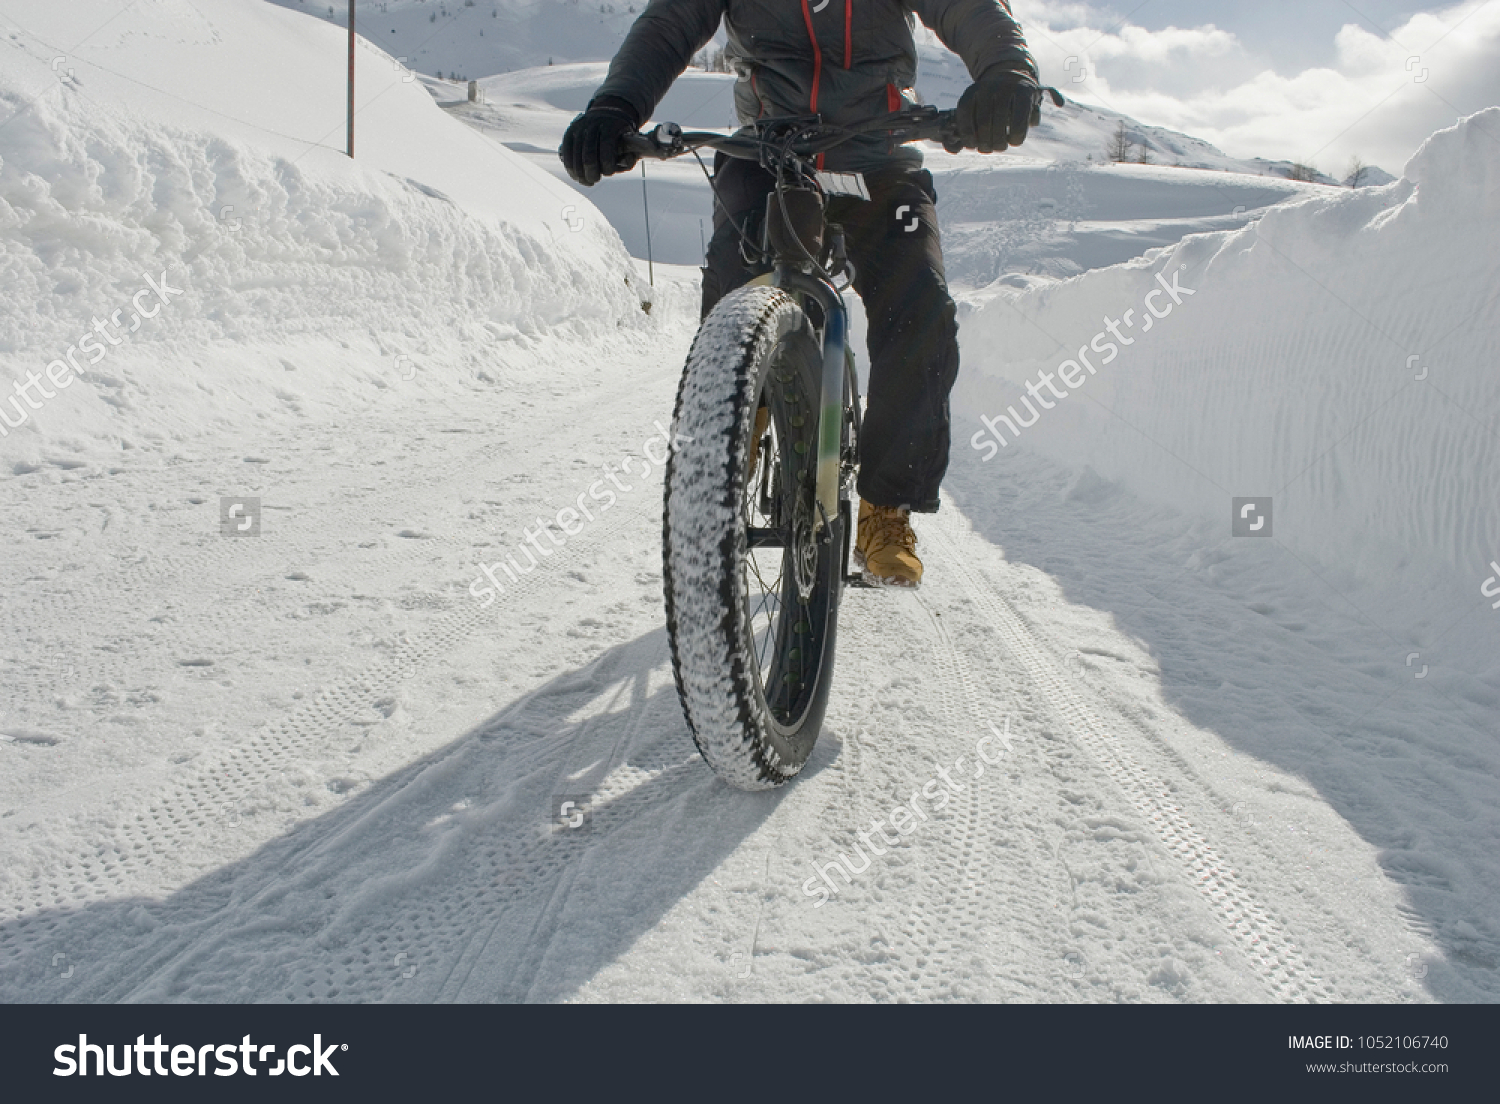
(765, 608)
(768, 594)
(767, 510)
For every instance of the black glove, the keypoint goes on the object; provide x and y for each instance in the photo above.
(591, 146)
(995, 111)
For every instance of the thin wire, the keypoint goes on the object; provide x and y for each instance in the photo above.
(786, 219)
(784, 154)
(739, 229)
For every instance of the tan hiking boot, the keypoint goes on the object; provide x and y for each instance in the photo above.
(886, 547)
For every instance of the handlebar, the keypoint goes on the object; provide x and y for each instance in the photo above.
(801, 135)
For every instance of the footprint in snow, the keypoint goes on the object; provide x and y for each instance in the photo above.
(30, 736)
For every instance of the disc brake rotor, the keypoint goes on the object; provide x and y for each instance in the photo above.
(804, 546)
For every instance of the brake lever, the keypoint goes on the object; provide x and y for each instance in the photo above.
(662, 141)
(667, 137)
(1036, 110)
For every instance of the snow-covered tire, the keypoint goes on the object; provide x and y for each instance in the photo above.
(756, 342)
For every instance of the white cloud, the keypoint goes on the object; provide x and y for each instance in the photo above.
(1161, 46)
(1380, 99)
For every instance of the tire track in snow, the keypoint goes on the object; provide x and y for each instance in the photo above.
(530, 955)
(214, 583)
(228, 784)
(1259, 935)
(377, 887)
(958, 891)
(927, 906)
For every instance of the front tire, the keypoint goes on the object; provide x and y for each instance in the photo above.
(751, 591)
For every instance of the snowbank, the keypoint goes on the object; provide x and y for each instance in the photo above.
(1335, 356)
(199, 146)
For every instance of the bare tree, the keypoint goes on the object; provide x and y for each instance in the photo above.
(1299, 171)
(1119, 146)
(1357, 173)
(1144, 156)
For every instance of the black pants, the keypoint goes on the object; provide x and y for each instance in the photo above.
(913, 331)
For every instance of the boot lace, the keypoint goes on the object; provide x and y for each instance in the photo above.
(892, 526)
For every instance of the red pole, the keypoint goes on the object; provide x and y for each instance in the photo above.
(351, 78)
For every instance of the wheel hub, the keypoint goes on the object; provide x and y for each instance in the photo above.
(804, 546)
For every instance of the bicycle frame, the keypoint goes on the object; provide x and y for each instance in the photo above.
(804, 275)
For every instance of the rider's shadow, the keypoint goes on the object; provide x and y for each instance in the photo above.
(456, 878)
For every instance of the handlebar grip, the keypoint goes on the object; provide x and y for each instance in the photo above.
(633, 146)
(642, 145)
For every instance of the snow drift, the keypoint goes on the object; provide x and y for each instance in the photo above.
(202, 145)
(1334, 356)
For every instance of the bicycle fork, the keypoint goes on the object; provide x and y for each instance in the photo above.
(831, 414)
(832, 462)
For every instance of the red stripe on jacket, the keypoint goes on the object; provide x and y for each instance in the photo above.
(812, 101)
(812, 36)
(848, 39)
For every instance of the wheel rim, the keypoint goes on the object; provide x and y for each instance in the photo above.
(779, 571)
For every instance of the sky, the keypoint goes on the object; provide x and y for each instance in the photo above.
(1317, 81)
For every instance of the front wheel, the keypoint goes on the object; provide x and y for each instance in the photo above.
(752, 581)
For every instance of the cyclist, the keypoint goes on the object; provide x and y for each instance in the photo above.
(849, 62)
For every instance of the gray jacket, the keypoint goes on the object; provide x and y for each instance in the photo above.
(847, 60)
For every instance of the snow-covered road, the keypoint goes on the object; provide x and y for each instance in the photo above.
(373, 815)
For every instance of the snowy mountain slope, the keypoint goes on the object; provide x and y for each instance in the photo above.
(486, 37)
(1025, 220)
(529, 110)
(311, 765)
(1043, 210)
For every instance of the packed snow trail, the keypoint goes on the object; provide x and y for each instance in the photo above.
(386, 831)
